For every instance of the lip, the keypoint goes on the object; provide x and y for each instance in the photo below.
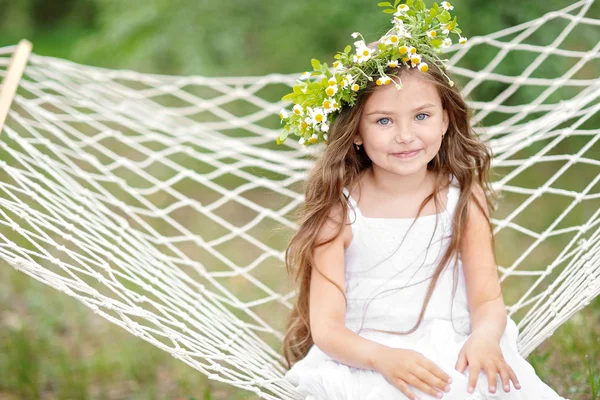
(409, 154)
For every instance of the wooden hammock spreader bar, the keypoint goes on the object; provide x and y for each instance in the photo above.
(13, 76)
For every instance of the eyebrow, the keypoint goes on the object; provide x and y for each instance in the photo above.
(391, 112)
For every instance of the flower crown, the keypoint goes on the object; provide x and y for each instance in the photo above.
(417, 32)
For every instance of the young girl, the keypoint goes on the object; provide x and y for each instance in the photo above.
(397, 290)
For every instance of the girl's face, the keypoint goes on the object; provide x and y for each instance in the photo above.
(395, 121)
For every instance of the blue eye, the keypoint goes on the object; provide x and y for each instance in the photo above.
(423, 118)
(381, 119)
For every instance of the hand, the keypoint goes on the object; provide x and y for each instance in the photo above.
(482, 351)
(403, 367)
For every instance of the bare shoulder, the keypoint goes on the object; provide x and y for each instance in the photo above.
(332, 225)
(478, 196)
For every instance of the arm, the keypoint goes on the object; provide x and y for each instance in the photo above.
(327, 304)
(488, 315)
(484, 294)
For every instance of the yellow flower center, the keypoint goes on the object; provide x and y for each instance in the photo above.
(415, 60)
(355, 87)
(319, 117)
(394, 39)
(433, 33)
(378, 82)
(405, 59)
(313, 140)
(297, 111)
(304, 125)
(424, 68)
(403, 49)
(330, 91)
(365, 53)
(413, 50)
(327, 104)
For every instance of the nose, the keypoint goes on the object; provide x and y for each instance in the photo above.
(404, 133)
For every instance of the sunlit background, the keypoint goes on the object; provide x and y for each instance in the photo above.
(51, 346)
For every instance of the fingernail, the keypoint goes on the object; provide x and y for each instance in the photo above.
(470, 390)
(439, 395)
(518, 386)
(507, 388)
(492, 389)
(449, 380)
(447, 388)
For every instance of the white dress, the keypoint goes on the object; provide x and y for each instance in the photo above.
(372, 268)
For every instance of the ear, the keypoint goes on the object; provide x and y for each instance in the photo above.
(445, 121)
(357, 139)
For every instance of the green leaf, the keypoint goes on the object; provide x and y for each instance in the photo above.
(420, 6)
(456, 30)
(315, 64)
(289, 96)
(385, 4)
(381, 46)
(436, 42)
(389, 11)
(347, 49)
(444, 17)
(410, 3)
(396, 3)
(432, 12)
(337, 56)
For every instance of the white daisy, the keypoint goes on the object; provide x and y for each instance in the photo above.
(301, 141)
(402, 9)
(355, 35)
(364, 54)
(391, 40)
(298, 110)
(415, 59)
(305, 75)
(329, 105)
(447, 42)
(393, 64)
(283, 114)
(331, 90)
(325, 135)
(325, 128)
(314, 138)
(447, 6)
(318, 116)
(462, 40)
(431, 34)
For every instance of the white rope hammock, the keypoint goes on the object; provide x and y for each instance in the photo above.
(154, 200)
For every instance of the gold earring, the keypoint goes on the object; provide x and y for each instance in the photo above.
(357, 146)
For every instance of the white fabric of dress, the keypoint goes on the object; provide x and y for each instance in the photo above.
(381, 259)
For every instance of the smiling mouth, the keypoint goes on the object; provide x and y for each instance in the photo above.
(406, 153)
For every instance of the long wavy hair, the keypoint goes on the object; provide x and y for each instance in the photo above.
(341, 165)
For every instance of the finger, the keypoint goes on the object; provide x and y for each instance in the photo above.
(431, 379)
(423, 386)
(492, 373)
(461, 363)
(404, 388)
(504, 376)
(513, 377)
(435, 370)
(473, 375)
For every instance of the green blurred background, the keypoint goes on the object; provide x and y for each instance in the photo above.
(51, 346)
